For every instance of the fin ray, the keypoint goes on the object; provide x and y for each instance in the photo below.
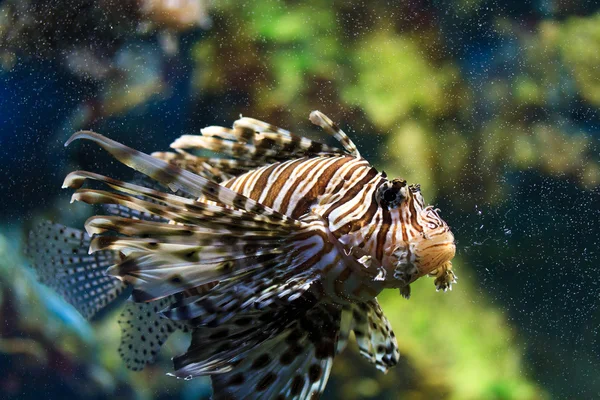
(143, 332)
(176, 178)
(374, 335)
(59, 256)
(288, 353)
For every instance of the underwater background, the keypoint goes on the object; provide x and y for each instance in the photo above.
(493, 107)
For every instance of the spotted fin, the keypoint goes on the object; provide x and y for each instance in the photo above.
(251, 144)
(59, 255)
(374, 335)
(171, 176)
(164, 259)
(126, 212)
(213, 243)
(287, 353)
(143, 331)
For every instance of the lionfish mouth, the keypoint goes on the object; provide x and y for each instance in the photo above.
(430, 255)
(435, 252)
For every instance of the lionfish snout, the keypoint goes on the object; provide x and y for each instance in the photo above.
(434, 251)
(429, 254)
(436, 247)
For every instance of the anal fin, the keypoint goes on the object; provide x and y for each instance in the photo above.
(144, 331)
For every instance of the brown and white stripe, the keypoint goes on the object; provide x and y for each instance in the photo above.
(279, 223)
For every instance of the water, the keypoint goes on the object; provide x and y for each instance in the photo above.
(492, 107)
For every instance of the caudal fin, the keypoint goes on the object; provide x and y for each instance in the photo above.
(59, 255)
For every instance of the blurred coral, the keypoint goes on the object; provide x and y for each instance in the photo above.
(102, 42)
(492, 107)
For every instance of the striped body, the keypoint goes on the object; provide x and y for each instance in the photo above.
(338, 188)
(296, 187)
(269, 256)
(343, 191)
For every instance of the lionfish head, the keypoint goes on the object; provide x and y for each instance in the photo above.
(421, 243)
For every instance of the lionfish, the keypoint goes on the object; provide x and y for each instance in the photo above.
(269, 257)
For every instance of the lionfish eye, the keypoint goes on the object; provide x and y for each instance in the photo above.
(392, 193)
